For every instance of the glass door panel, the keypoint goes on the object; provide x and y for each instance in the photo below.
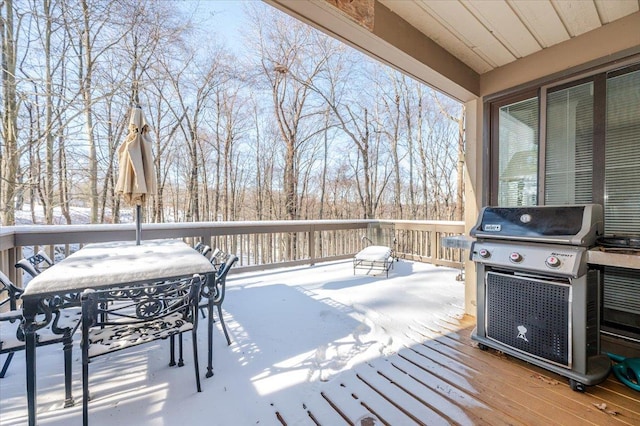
(518, 154)
(569, 146)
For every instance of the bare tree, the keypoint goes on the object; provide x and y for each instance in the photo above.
(46, 190)
(437, 151)
(194, 89)
(459, 120)
(392, 127)
(264, 166)
(332, 134)
(413, 109)
(9, 158)
(165, 129)
(229, 128)
(86, 30)
(358, 117)
(292, 56)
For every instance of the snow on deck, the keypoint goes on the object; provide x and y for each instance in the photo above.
(292, 331)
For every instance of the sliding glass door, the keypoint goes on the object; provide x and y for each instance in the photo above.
(569, 147)
(622, 158)
(577, 142)
(518, 153)
(621, 296)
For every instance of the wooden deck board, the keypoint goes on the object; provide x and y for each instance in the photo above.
(381, 407)
(526, 385)
(558, 393)
(494, 393)
(477, 410)
(413, 407)
(313, 409)
(444, 378)
(425, 394)
(316, 405)
(343, 401)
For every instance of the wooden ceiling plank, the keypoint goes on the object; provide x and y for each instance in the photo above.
(542, 21)
(579, 16)
(486, 34)
(457, 19)
(610, 10)
(420, 19)
(501, 20)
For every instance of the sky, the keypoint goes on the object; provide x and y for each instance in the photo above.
(293, 331)
(227, 17)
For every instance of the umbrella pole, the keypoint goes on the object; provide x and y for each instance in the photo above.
(138, 224)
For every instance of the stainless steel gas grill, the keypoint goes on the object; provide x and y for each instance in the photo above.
(537, 298)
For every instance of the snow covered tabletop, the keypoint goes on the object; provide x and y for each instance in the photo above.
(106, 264)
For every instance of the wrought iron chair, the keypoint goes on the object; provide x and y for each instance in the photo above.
(60, 330)
(216, 290)
(9, 321)
(116, 319)
(202, 248)
(218, 258)
(33, 265)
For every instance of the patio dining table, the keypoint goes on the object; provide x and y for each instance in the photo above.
(99, 266)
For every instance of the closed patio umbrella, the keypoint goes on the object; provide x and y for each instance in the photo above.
(136, 174)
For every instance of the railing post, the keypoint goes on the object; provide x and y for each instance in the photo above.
(14, 275)
(312, 245)
(433, 242)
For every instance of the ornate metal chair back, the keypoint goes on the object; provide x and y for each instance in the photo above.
(116, 319)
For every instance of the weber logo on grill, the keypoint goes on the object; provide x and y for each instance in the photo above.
(522, 333)
(492, 228)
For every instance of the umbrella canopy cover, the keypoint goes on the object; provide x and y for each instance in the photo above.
(136, 175)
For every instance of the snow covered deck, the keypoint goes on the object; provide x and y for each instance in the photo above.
(318, 345)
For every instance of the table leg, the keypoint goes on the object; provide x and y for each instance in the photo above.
(210, 338)
(67, 349)
(30, 355)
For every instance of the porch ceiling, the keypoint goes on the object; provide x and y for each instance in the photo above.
(489, 34)
(471, 48)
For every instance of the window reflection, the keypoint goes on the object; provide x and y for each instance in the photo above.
(518, 154)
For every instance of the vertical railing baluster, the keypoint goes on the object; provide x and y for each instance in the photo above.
(256, 243)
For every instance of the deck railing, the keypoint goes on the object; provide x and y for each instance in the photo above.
(259, 245)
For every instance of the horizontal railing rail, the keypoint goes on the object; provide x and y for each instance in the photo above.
(259, 245)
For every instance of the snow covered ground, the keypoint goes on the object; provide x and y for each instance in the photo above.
(79, 215)
(292, 329)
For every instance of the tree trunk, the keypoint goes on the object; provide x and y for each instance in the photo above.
(9, 155)
(86, 88)
(47, 198)
(395, 136)
(63, 180)
(193, 207)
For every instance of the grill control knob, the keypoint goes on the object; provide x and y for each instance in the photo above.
(484, 253)
(552, 262)
(515, 257)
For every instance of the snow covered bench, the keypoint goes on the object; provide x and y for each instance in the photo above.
(379, 258)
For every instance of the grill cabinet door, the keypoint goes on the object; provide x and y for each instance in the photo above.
(531, 315)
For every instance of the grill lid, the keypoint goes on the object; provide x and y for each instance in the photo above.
(577, 225)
